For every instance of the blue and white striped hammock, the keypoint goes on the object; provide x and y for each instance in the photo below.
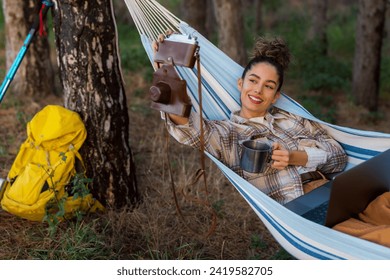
(220, 96)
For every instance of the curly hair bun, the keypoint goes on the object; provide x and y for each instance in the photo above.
(275, 49)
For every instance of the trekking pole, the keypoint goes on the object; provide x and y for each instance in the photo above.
(15, 65)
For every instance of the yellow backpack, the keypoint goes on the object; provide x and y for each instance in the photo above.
(40, 178)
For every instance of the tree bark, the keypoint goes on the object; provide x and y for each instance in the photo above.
(231, 29)
(35, 75)
(319, 20)
(88, 60)
(211, 23)
(258, 16)
(194, 13)
(368, 45)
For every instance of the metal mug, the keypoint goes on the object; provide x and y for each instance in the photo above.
(255, 156)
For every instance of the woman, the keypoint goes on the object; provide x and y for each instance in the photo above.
(299, 146)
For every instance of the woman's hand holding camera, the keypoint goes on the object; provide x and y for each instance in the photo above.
(160, 39)
(179, 100)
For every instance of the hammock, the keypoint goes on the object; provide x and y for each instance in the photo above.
(300, 237)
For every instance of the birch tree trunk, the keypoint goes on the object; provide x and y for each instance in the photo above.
(35, 77)
(368, 46)
(88, 60)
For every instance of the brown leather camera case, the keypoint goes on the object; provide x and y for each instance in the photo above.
(177, 53)
(169, 93)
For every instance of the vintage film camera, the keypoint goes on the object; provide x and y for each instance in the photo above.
(168, 91)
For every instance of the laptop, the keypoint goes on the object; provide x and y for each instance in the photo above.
(347, 194)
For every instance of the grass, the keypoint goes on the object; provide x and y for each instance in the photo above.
(78, 241)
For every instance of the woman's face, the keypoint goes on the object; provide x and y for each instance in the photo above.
(258, 90)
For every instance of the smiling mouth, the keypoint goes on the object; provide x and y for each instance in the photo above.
(255, 99)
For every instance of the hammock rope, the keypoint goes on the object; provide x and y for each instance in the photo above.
(151, 18)
(300, 237)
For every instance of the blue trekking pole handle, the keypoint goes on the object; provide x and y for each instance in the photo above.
(15, 65)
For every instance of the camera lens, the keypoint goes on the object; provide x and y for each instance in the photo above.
(160, 93)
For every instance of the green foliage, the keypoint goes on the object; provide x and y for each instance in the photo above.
(63, 156)
(257, 242)
(384, 78)
(259, 246)
(141, 109)
(319, 71)
(321, 106)
(23, 118)
(80, 186)
(341, 38)
(272, 5)
(133, 55)
(373, 117)
(282, 255)
(3, 150)
(11, 102)
(133, 58)
(314, 69)
(171, 5)
(2, 62)
(78, 241)
(292, 26)
(55, 208)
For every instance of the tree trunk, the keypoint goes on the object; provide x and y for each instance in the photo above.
(368, 45)
(35, 76)
(317, 30)
(387, 22)
(231, 29)
(211, 23)
(86, 43)
(258, 16)
(193, 12)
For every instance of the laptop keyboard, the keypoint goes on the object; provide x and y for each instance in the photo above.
(318, 214)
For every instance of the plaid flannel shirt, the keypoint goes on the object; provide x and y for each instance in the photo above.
(223, 138)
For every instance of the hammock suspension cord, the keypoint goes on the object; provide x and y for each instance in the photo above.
(151, 18)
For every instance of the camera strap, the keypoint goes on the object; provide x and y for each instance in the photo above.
(200, 173)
